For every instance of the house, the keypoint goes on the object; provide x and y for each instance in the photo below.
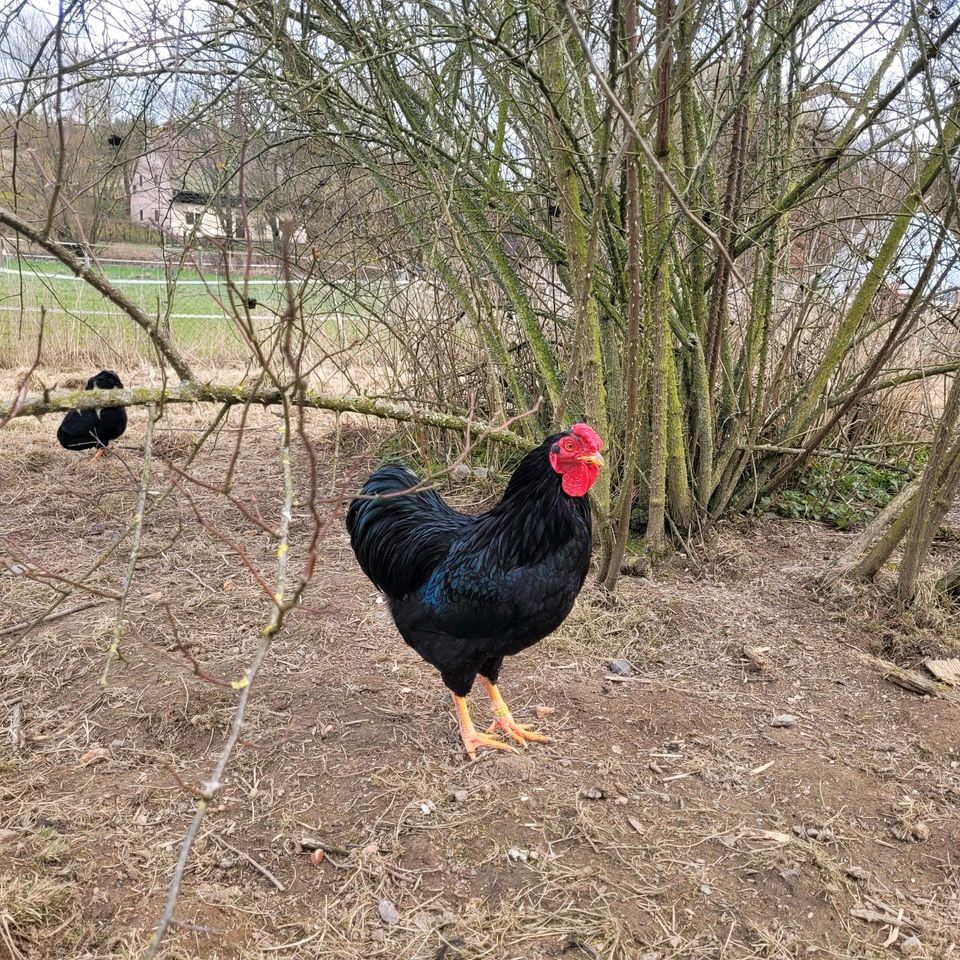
(184, 197)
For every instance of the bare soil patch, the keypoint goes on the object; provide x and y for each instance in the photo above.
(667, 818)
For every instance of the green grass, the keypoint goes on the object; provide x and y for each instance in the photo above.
(81, 325)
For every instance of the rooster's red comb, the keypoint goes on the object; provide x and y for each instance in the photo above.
(588, 435)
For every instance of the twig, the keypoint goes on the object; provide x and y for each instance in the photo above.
(309, 843)
(16, 714)
(830, 454)
(17, 627)
(100, 283)
(109, 551)
(24, 385)
(280, 608)
(273, 396)
(114, 652)
(644, 147)
(259, 867)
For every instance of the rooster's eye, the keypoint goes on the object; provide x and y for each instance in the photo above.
(568, 446)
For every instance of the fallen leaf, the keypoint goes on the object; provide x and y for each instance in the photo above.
(94, 755)
(229, 585)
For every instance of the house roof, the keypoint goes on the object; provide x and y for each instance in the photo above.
(203, 199)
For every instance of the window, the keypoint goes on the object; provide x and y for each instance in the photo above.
(141, 214)
(141, 179)
(191, 218)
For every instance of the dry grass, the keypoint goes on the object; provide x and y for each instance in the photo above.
(665, 820)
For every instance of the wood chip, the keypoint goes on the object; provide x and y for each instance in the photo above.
(635, 823)
(907, 679)
(946, 670)
(762, 767)
(774, 835)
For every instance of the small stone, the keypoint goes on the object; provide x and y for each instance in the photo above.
(428, 807)
(316, 857)
(460, 472)
(783, 720)
(592, 793)
(827, 836)
(855, 872)
(481, 473)
(542, 711)
(388, 912)
(518, 855)
(621, 668)
(920, 832)
(911, 947)
(706, 889)
(461, 796)
(226, 863)
(378, 935)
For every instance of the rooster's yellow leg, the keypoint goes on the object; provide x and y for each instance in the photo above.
(504, 721)
(473, 740)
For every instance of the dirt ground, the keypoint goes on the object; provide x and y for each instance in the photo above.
(668, 817)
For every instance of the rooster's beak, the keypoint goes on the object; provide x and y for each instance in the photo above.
(593, 458)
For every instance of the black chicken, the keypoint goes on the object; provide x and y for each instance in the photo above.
(83, 429)
(466, 591)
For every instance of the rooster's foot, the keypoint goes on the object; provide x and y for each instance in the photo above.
(472, 742)
(519, 731)
(504, 722)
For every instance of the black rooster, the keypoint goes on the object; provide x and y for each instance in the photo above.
(83, 429)
(466, 591)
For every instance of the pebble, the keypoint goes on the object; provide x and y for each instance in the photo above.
(481, 473)
(428, 807)
(521, 856)
(460, 472)
(783, 720)
(592, 793)
(621, 668)
(461, 796)
(388, 912)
